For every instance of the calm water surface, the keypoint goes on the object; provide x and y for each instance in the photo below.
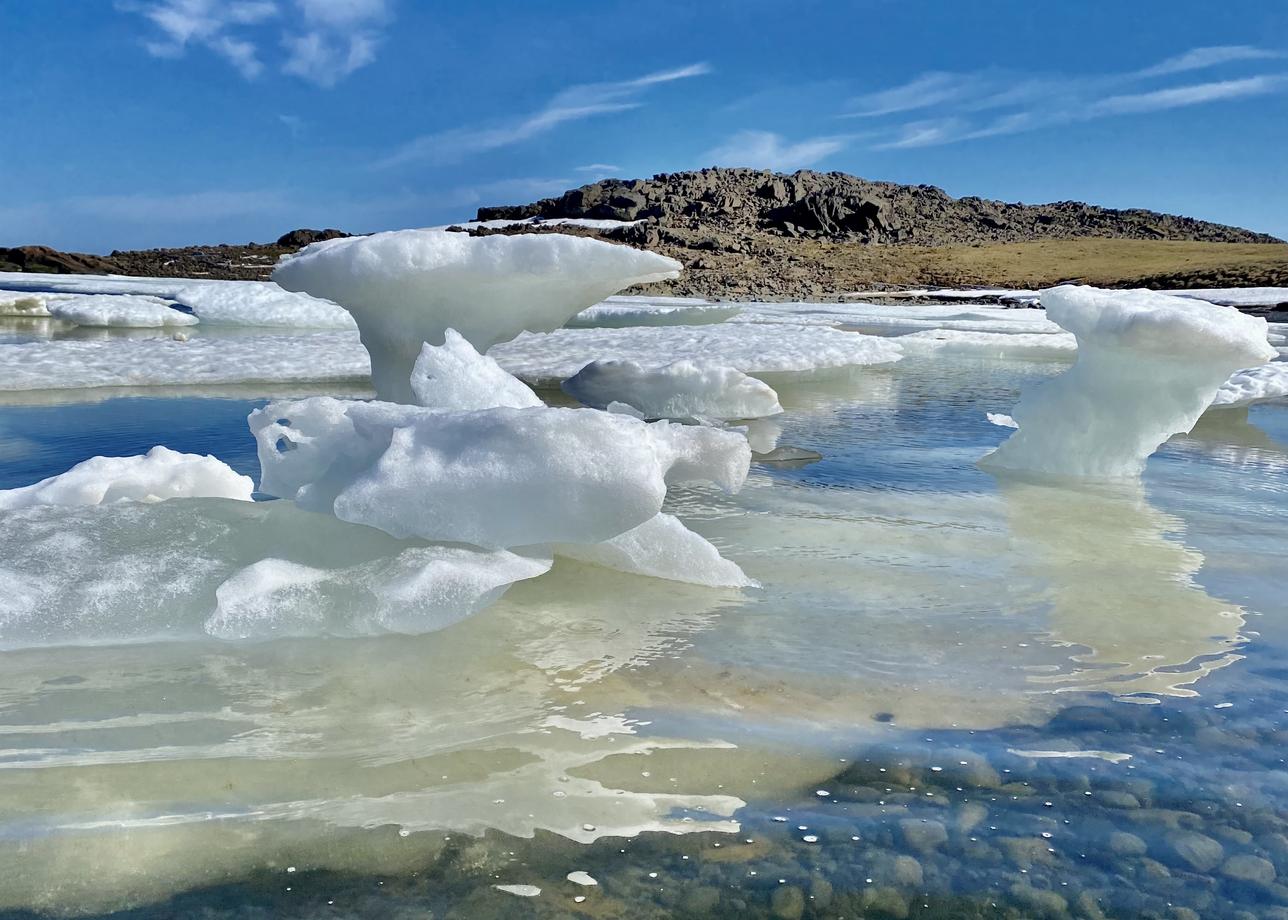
(954, 695)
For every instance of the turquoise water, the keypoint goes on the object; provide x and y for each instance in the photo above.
(954, 695)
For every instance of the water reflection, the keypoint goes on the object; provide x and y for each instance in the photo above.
(1117, 584)
(188, 760)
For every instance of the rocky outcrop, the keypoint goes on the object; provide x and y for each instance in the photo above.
(298, 239)
(844, 208)
(51, 261)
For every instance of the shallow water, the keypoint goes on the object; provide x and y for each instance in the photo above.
(955, 695)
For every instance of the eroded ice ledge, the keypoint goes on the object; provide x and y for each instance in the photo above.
(1148, 365)
(407, 287)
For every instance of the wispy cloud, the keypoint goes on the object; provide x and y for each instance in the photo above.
(575, 103)
(1213, 56)
(767, 150)
(324, 40)
(1195, 94)
(967, 106)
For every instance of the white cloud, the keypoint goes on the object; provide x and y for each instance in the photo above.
(206, 23)
(955, 104)
(572, 104)
(324, 40)
(766, 150)
(333, 38)
(598, 168)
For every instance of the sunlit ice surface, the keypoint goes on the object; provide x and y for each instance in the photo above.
(952, 686)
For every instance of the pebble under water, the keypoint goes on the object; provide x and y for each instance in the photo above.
(957, 694)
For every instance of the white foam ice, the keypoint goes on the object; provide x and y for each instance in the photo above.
(757, 350)
(1001, 420)
(455, 376)
(407, 287)
(158, 475)
(662, 547)
(631, 310)
(201, 567)
(679, 390)
(226, 303)
(494, 478)
(1148, 365)
(200, 361)
(125, 310)
(1253, 385)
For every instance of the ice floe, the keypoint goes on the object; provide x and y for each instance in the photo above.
(407, 287)
(1253, 385)
(494, 478)
(653, 311)
(990, 344)
(201, 361)
(899, 317)
(125, 310)
(1148, 365)
(758, 350)
(1237, 297)
(158, 475)
(682, 389)
(455, 376)
(225, 303)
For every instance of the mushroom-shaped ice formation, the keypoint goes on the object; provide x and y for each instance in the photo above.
(407, 287)
(1148, 365)
(682, 389)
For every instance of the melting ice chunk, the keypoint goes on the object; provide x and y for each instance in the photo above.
(122, 310)
(419, 590)
(663, 548)
(495, 478)
(158, 475)
(1148, 365)
(455, 376)
(682, 389)
(408, 287)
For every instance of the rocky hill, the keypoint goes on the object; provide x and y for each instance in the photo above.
(836, 206)
(752, 233)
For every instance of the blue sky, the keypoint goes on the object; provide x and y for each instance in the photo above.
(132, 123)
